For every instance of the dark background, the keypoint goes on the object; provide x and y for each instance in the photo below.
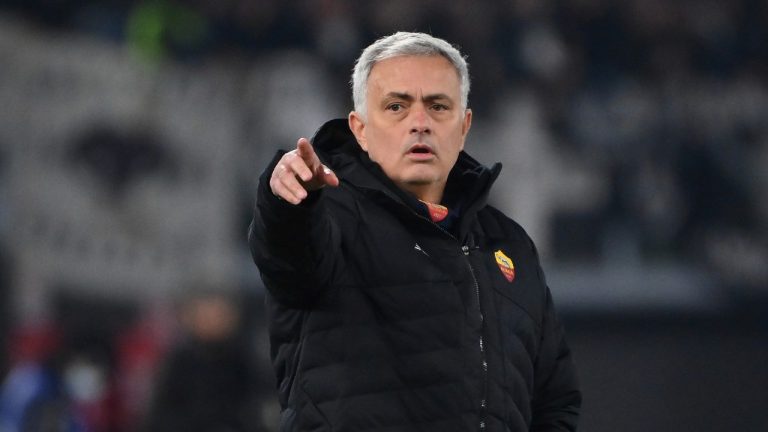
(632, 132)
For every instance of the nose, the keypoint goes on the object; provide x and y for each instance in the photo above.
(420, 120)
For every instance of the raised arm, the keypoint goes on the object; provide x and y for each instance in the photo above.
(291, 236)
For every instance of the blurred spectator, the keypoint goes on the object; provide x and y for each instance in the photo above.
(34, 398)
(140, 349)
(209, 382)
(53, 385)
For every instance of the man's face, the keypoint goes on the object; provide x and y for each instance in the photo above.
(415, 125)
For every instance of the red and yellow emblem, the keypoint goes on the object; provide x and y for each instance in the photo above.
(506, 265)
(437, 212)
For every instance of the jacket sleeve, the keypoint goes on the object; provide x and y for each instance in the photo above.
(556, 396)
(294, 246)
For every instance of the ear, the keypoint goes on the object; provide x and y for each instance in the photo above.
(357, 126)
(466, 123)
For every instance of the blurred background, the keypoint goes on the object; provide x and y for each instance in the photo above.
(634, 140)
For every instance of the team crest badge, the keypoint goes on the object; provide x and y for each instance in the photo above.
(506, 265)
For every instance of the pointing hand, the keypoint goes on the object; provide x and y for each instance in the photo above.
(299, 172)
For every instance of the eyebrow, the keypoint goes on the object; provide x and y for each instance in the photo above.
(410, 98)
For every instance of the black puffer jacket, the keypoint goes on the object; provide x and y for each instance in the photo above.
(380, 320)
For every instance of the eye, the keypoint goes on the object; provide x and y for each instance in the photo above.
(439, 107)
(395, 107)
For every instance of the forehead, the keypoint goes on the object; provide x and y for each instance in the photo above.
(409, 74)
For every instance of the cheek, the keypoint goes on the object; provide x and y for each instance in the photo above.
(385, 156)
(382, 147)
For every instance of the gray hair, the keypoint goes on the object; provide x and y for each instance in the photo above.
(405, 44)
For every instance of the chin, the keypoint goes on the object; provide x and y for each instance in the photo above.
(419, 180)
(421, 176)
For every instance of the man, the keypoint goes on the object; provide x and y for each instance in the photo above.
(399, 300)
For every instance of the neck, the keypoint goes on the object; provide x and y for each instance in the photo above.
(430, 193)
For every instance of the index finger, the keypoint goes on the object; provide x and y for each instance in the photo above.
(306, 151)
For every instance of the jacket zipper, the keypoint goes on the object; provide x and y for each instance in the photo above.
(483, 359)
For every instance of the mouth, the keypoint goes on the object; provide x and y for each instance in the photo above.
(420, 150)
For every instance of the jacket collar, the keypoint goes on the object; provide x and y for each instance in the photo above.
(468, 185)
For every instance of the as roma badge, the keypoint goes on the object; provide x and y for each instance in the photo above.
(506, 265)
